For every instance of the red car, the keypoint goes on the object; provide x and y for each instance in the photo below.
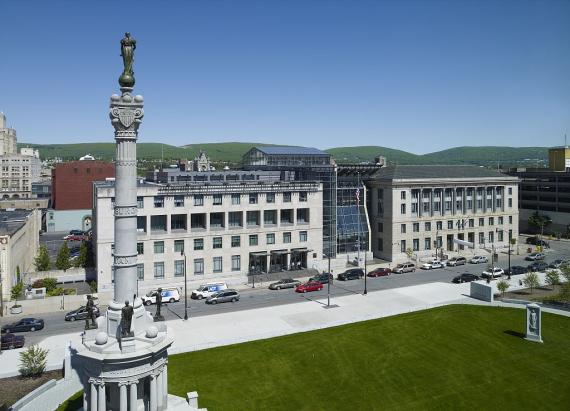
(310, 286)
(379, 272)
(11, 341)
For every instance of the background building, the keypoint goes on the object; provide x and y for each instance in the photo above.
(7, 137)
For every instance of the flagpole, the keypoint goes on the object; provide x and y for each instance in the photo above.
(358, 214)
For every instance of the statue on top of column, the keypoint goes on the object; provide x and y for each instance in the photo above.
(128, 46)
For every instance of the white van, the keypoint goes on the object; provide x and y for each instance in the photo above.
(206, 290)
(169, 295)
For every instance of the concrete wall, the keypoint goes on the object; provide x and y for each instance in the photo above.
(481, 291)
(64, 304)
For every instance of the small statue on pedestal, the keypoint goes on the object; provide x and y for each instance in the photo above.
(127, 317)
(158, 316)
(90, 308)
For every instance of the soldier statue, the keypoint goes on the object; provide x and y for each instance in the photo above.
(90, 308)
(158, 316)
(127, 317)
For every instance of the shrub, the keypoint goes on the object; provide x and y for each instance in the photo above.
(503, 286)
(552, 278)
(49, 283)
(70, 291)
(38, 283)
(93, 286)
(531, 281)
(33, 361)
(55, 292)
(16, 291)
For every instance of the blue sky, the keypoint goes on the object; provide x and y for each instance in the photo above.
(413, 75)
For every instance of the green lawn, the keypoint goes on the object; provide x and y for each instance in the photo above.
(454, 357)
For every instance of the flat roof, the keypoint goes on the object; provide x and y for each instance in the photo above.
(293, 151)
(11, 221)
(419, 172)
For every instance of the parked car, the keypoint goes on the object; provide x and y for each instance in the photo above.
(76, 232)
(432, 265)
(455, 261)
(352, 274)
(465, 278)
(11, 341)
(224, 296)
(309, 286)
(25, 324)
(516, 270)
(80, 314)
(493, 272)
(323, 278)
(404, 268)
(169, 295)
(207, 290)
(478, 259)
(537, 266)
(558, 264)
(537, 241)
(380, 272)
(74, 237)
(534, 257)
(284, 283)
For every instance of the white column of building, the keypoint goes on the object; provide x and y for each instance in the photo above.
(153, 404)
(165, 386)
(159, 388)
(123, 396)
(101, 400)
(93, 395)
(133, 396)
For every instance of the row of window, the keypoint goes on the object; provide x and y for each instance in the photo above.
(218, 199)
(217, 242)
(451, 224)
(448, 206)
(437, 192)
(198, 269)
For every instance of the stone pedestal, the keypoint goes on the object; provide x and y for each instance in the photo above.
(533, 323)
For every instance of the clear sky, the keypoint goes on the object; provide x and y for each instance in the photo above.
(414, 75)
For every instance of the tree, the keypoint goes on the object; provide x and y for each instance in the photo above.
(81, 260)
(33, 361)
(552, 278)
(503, 286)
(16, 291)
(409, 252)
(538, 221)
(62, 262)
(42, 261)
(566, 272)
(531, 281)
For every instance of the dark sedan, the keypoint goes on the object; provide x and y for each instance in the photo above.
(80, 314)
(516, 270)
(537, 266)
(284, 283)
(465, 278)
(323, 278)
(11, 341)
(353, 274)
(25, 324)
(380, 272)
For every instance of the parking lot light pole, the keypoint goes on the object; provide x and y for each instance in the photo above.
(185, 288)
(365, 275)
(329, 283)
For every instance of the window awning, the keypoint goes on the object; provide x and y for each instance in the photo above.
(259, 253)
(280, 252)
(299, 250)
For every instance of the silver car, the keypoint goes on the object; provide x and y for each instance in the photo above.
(223, 297)
(284, 283)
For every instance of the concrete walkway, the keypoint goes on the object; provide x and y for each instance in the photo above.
(247, 325)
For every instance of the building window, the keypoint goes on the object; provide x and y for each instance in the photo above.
(252, 218)
(510, 235)
(158, 201)
(403, 195)
(140, 202)
(270, 217)
(500, 235)
(450, 224)
(159, 270)
(217, 242)
(510, 203)
(481, 238)
(140, 248)
(403, 246)
(416, 244)
(178, 268)
(178, 201)
(491, 221)
(270, 197)
(439, 225)
(471, 222)
(414, 208)
(270, 238)
(253, 240)
(236, 199)
(158, 223)
(287, 237)
(416, 227)
(500, 222)
(287, 197)
(198, 244)
(380, 227)
(140, 272)
(427, 226)
(510, 191)
(448, 205)
(198, 266)
(403, 228)
(141, 224)
(199, 201)
(438, 241)
(303, 196)
(302, 215)
(427, 243)
(380, 244)
(403, 209)
(236, 241)
(178, 221)
(178, 246)
(302, 236)
(491, 236)
(217, 220)
(217, 264)
(159, 247)
(236, 262)
(286, 217)
(253, 198)
(235, 218)
(510, 219)
(217, 199)
(198, 221)
(481, 222)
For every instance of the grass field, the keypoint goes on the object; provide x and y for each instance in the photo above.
(454, 357)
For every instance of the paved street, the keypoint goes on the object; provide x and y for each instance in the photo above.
(262, 297)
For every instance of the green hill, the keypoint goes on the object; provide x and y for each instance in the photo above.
(367, 153)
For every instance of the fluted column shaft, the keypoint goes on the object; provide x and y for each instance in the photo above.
(153, 403)
(93, 395)
(102, 400)
(133, 395)
(123, 396)
(165, 386)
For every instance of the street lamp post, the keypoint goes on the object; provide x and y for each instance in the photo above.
(185, 288)
(365, 271)
(329, 283)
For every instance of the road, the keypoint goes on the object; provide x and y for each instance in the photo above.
(261, 296)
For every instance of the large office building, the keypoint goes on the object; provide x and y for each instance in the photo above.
(214, 226)
(418, 209)
(8, 141)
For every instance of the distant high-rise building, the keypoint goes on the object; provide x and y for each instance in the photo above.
(7, 137)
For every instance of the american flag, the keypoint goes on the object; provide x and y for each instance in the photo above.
(358, 195)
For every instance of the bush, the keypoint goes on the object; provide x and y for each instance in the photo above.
(93, 286)
(33, 361)
(49, 283)
(54, 292)
(70, 291)
(16, 291)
